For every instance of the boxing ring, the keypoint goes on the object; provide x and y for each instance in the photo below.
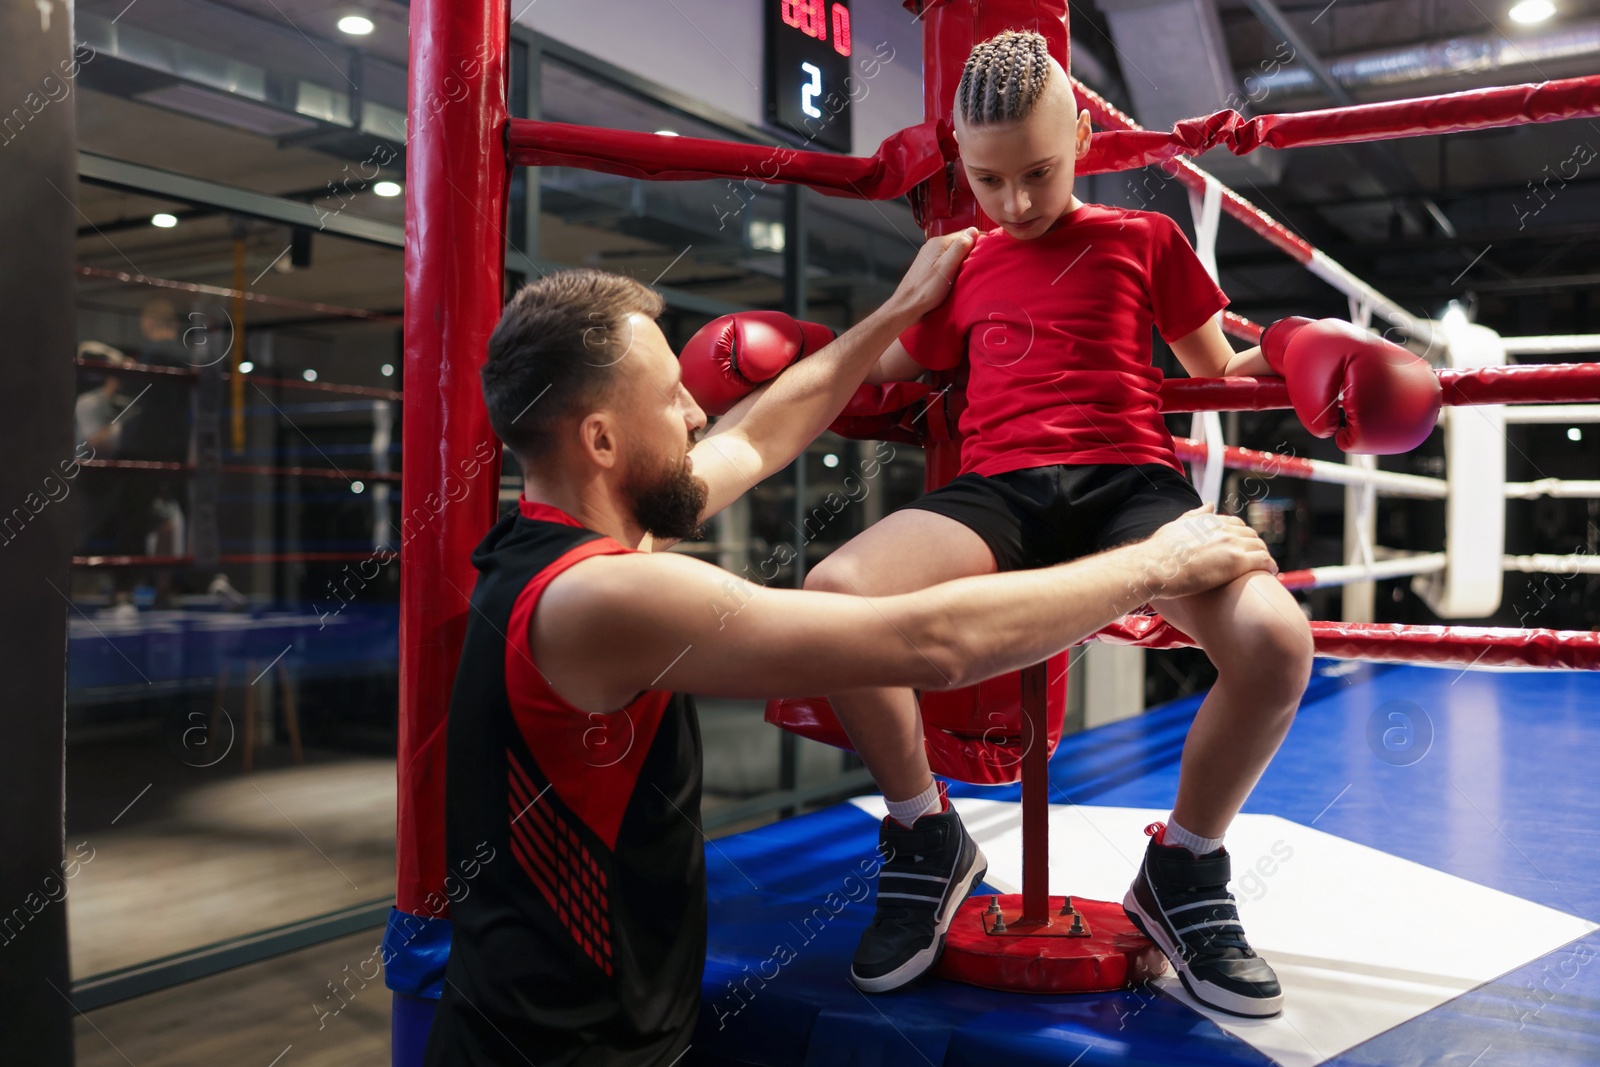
(1418, 861)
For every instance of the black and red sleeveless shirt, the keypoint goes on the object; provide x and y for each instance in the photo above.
(583, 939)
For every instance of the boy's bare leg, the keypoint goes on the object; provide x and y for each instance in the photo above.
(906, 551)
(1260, 643)
(930, 861)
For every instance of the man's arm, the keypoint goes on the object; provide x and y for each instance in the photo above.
(1206, 353)
(612, 626)
(764, 432)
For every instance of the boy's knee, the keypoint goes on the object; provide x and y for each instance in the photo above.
(836, 574)
(1286, 651)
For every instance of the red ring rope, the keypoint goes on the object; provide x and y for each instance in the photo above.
(235, 557)
(1554, 383)
(244, 468)
(1465, 646)
(238, 294)
(147, 370)
(914, 154)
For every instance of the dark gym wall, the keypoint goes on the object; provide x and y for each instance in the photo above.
(38, 175)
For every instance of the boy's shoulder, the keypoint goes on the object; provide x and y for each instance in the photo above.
(1123, 218)
(1132, 223)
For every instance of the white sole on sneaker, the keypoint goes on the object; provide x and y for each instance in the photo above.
(1212, 996)
(925, 959)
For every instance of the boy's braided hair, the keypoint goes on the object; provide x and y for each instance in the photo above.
(1003, 78)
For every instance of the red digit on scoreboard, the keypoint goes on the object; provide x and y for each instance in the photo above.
(811, 18)
(841, 29)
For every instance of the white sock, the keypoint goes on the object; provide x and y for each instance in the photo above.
(906, 812)
(1177, 835)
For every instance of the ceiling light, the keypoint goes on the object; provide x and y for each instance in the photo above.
(356, 487)
(309, 375)
(830, 460)
(246, 367)
(355, 25)
(387, 189)
(163, 220)
(387, 370)
(1531, 11)
(1574, 434)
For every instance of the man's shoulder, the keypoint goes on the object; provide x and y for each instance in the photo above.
(608, 576)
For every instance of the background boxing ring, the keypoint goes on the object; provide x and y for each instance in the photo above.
(1460, 850)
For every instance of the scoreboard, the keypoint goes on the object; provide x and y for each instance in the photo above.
(808, 70)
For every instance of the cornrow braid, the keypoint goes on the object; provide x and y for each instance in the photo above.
(1003, 78)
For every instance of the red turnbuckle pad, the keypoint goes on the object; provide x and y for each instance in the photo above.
(1085, 946)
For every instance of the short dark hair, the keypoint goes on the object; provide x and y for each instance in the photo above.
(548, 356)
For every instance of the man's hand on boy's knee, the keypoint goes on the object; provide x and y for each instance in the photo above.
(1201, 550)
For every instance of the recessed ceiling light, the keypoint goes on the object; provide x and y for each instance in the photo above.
(1574, 434)
(388, 188)
(163, 220)
(246, 367)
(355, 25)
(356, 487)
(309, 375)
(1531, 11)
(387, 370)
(667, 133)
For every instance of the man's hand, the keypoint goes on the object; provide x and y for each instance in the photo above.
(927, 280)
(1201, 550)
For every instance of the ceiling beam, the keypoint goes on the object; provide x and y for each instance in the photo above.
(1395, 173)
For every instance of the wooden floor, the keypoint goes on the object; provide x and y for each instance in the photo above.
(223, 858)
(262, 1015)
(188, 856)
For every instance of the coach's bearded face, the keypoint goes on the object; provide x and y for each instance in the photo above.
(664, 494)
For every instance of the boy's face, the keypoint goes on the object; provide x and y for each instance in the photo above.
(1021, 172)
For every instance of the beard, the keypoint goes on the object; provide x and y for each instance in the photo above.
(667, 501)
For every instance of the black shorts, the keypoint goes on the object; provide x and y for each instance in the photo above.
(1046, 515)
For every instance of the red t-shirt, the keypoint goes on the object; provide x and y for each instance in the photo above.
(1056, 331)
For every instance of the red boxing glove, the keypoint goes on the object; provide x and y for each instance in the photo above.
(729, 357)
(890, 411)
(1370, 395)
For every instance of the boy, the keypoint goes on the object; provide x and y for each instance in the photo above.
(1065, 454)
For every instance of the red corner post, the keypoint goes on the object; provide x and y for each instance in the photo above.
(950, 29)
(454, 262)
(1021, 942)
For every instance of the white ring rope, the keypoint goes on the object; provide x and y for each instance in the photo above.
(1555, 345)
(1567, 413)
(1556, 488)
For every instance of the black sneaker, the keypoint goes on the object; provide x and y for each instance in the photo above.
(928, 870)
(1182, 903)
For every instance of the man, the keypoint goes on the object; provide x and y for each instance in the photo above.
(159, 426)
(97, 427)
(573, 749)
